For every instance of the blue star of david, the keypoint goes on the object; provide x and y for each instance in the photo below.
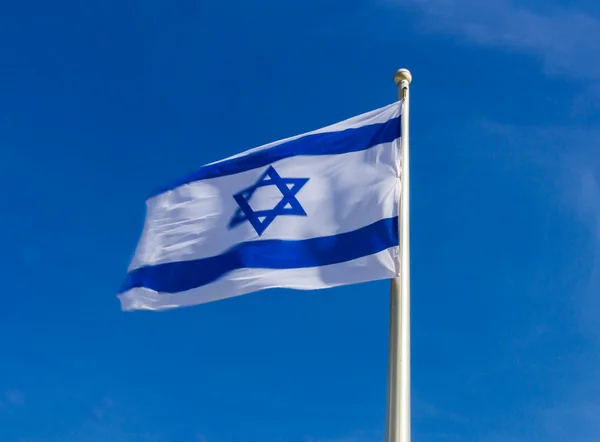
(288, 205)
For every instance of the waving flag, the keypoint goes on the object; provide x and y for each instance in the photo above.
(313, 211)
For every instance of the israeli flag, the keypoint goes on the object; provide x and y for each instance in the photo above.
(313, 211)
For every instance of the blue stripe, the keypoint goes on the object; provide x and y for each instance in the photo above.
(328, 143)
(267, 254)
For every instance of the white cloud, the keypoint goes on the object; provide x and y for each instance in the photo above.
(566, 40)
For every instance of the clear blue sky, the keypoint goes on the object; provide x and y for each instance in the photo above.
(104, 101)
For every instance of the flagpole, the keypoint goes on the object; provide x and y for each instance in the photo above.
(398, 394)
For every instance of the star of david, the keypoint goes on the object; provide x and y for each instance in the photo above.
(288, 205)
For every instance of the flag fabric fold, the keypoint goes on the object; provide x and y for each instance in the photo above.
(308, 212)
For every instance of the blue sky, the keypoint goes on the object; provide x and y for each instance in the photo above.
(105, 101)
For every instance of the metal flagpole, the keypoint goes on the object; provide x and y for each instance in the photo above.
(398, 395)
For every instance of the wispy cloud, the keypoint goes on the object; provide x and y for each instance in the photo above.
(112, 421)
(357, 436)
(567, 161)
(587, 194)
(15, 397)
(11, 402)
(571, 159)
(574, 419)
(565, 40)
(583, 194)
(109, 420)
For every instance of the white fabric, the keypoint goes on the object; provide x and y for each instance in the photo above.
(344, 193)
(383, 265)
(188, 227)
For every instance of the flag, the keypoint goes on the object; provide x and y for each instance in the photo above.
(308, 212)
